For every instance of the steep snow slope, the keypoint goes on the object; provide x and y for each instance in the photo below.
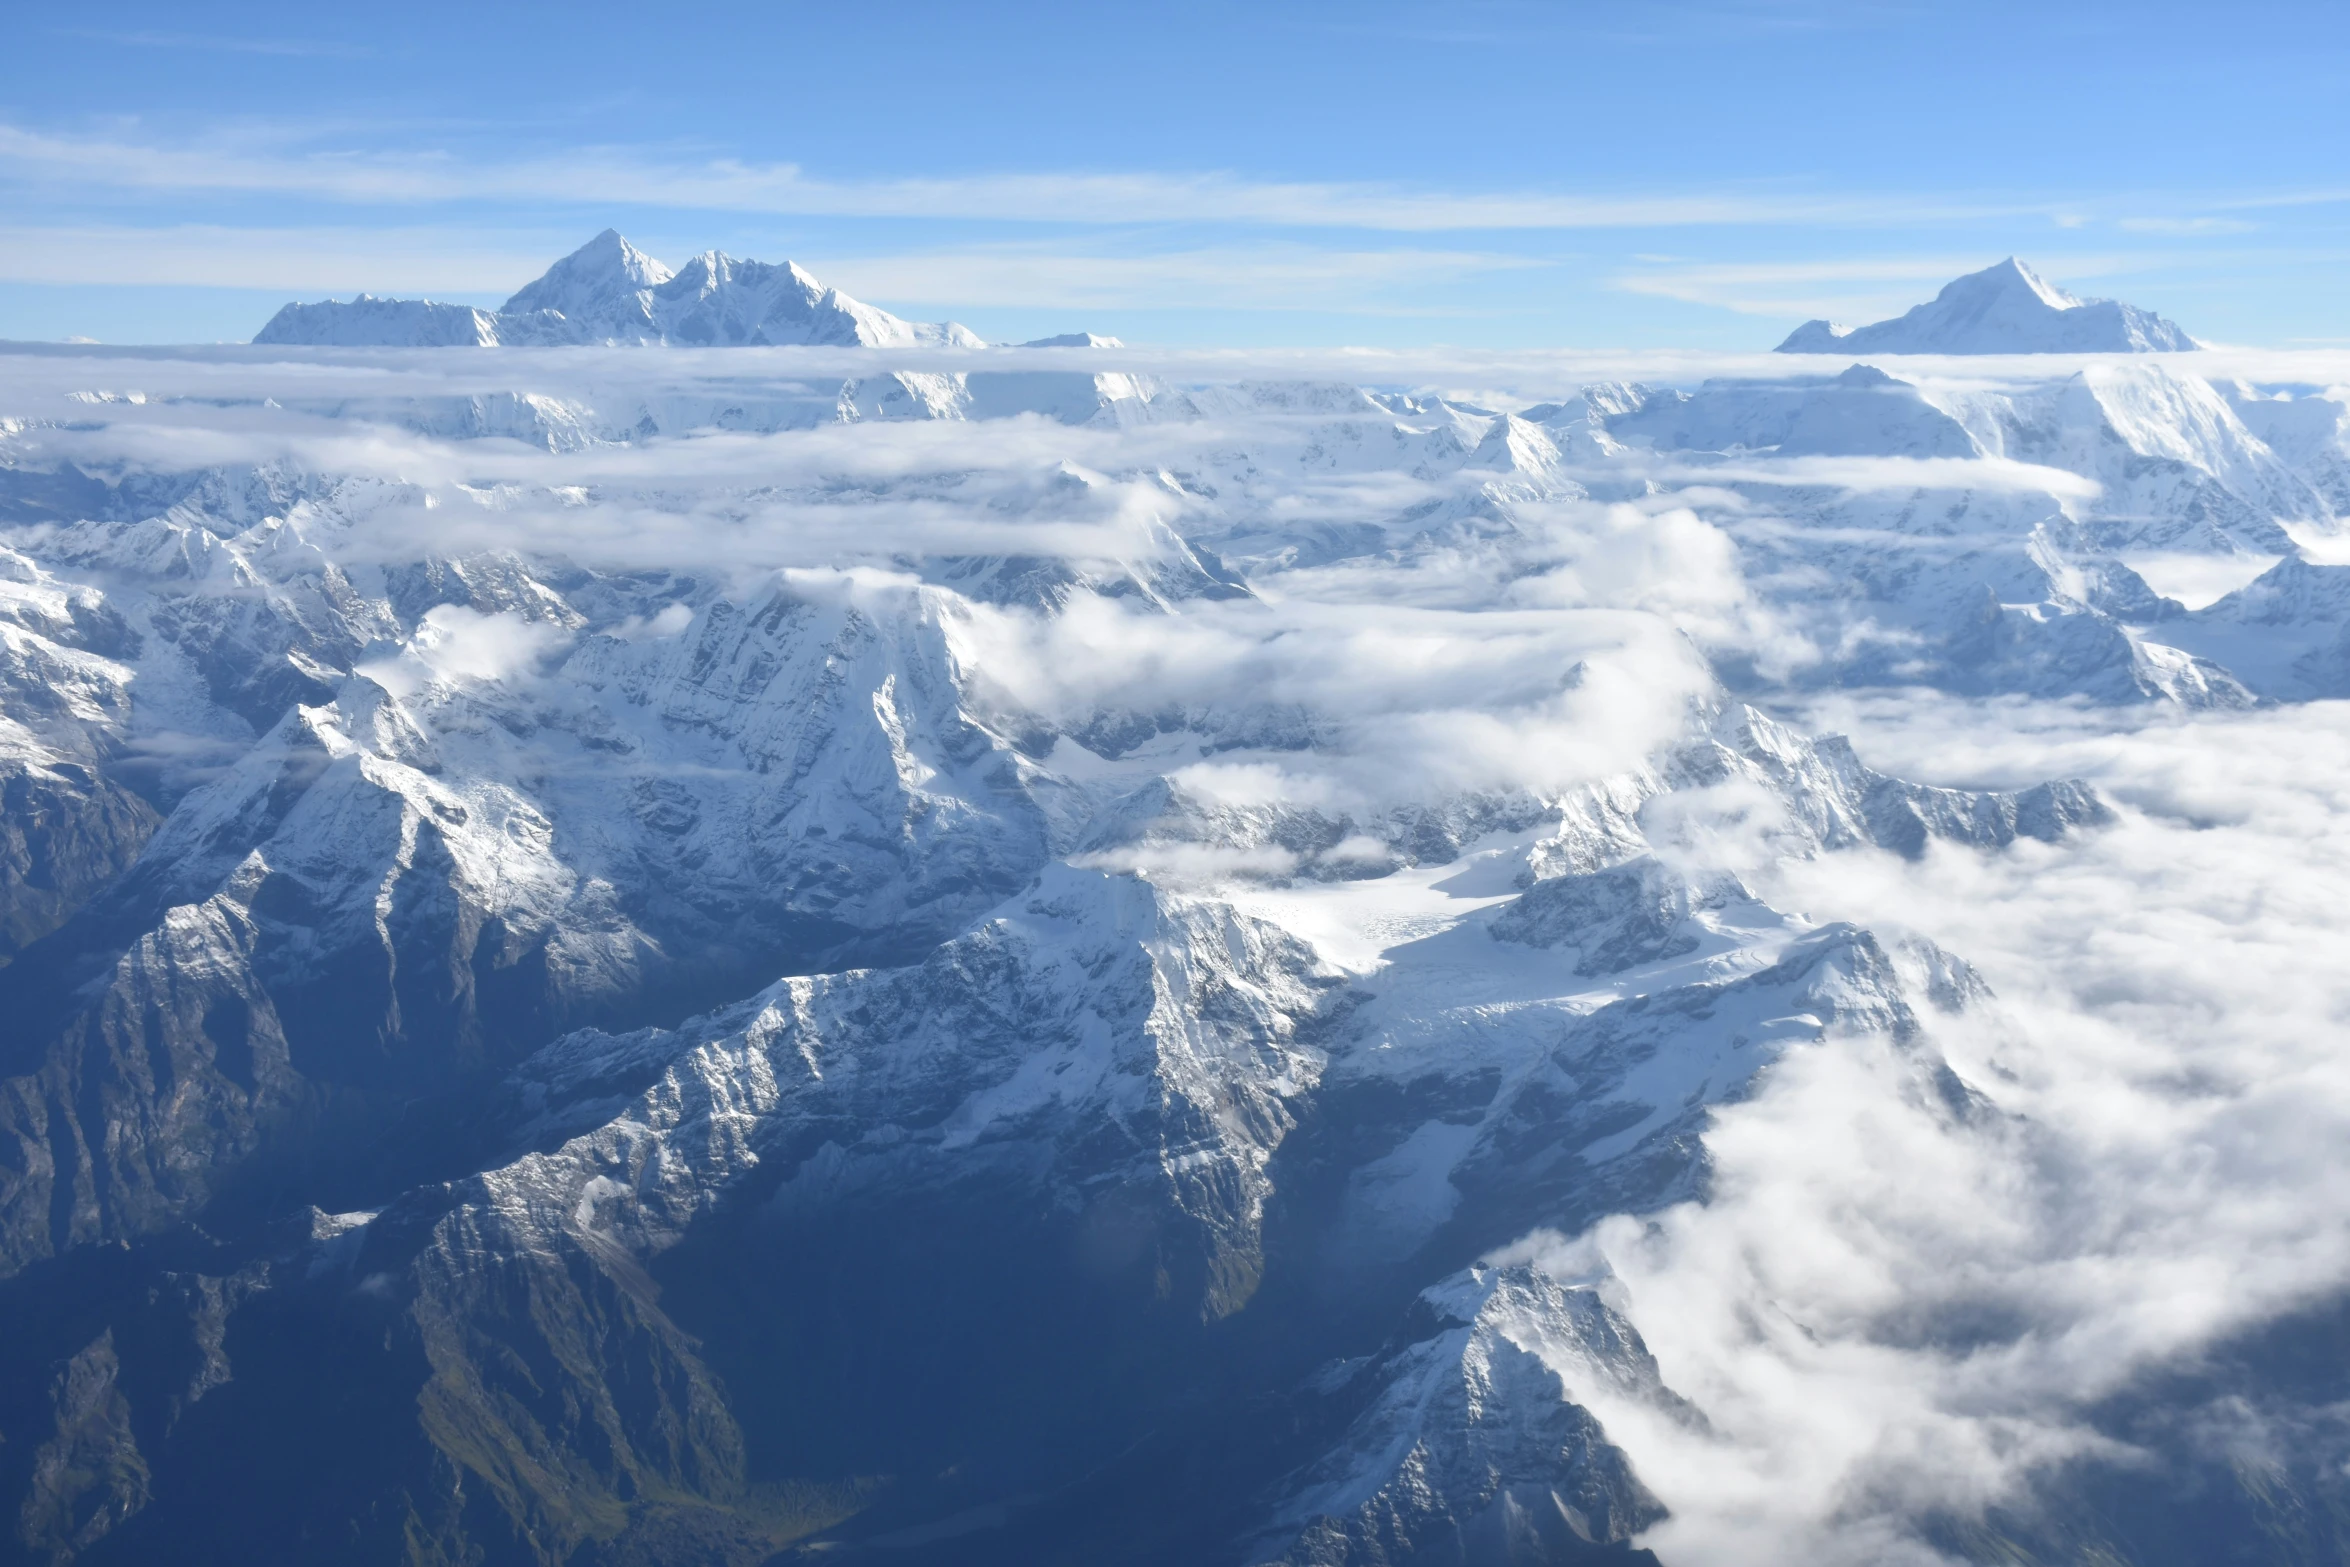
(386, 323)
(2284, 631)
(606, 286)
(1474, 1447)
(2003, 309)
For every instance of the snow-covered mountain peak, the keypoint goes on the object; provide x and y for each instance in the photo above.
(2006, 308)
(381, 323)
(715, 269)
(599, 274)
(610, 292)
(2011, 278)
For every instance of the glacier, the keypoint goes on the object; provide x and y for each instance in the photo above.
(879, 945)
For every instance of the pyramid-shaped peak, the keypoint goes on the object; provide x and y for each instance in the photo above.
(611, 251)
(2011, 277)
(598, 271)
(711, 266)
(2006, 308)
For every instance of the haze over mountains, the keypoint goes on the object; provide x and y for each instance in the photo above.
(627, 957)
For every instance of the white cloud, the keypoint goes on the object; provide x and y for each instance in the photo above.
(2185, 226)
(454, 642)
(1251, 277)
(1994, 475)
(1846, 289)
(1883, 1311)
(1071, 274)
(222, 43)
(319, 259)
(643, 177)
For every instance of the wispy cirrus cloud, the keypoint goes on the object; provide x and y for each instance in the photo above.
(217, 43)
(1238, 276)
(326, 259)
(279, 164)
(2185, 226)
(1080, 274)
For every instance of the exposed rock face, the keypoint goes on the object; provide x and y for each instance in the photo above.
(88, 1476)
(1623, 916)
(65, 833)
(143, 1102)
(1833, 800)
(381, 914)
(1472, 1451)
(1165, 1034)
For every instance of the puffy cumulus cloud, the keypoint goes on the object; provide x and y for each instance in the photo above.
(1399, 702)
(1889, 1310)
(455, 643)
(1665, 560)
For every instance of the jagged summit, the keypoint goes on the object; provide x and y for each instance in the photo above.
(610, 292)
(2003, 309)
(1074, 340)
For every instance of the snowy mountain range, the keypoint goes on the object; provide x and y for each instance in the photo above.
(2003, 309)
(612, 961)
(610, 292)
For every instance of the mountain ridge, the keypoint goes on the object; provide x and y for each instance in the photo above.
(718, 966)
(611, 293)
(2006, 308)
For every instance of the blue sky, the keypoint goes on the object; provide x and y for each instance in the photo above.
(1498, 174)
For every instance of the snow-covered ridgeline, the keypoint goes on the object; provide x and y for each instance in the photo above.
(608, 291)
(2003, 309)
